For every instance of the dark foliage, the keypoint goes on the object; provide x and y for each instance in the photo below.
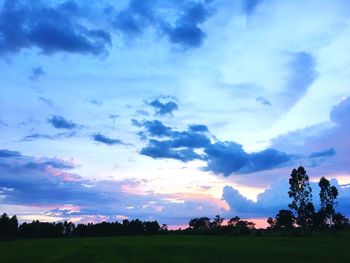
(328, 195)
(300, 192)
(307, 219)
(8, 227)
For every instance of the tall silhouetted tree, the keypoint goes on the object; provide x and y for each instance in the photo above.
(328, 195)
(300, 192)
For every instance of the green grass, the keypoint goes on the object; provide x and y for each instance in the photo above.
(330, 249)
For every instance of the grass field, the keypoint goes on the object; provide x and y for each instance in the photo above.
(149, 249)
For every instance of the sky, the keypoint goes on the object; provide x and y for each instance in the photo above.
(170, 109)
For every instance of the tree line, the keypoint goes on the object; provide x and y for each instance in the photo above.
(302, 217)
(9, 229)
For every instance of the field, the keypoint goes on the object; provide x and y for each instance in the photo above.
(179, 249)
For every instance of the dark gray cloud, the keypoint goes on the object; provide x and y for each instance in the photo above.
(156, 128)
(164, 108)
(37, 72)
(180, 145)
(229, 157)
(26, 24)
(324, 153)
(165, 150)
(7, 153)
(135, 17)
(98, 137)
(223, 158)
(186, 31)
(61, 123)
(263, 101)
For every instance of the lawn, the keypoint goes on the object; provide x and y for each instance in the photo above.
(179, 249)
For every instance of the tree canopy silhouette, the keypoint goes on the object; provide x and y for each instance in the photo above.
(300, 192)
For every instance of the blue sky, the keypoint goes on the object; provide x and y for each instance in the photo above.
(170, 109)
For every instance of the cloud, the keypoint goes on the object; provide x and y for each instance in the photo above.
(37, 73)
(3, 123)
(34, 182)
(38, 136)
(52, 29)
(46, 101)
(229, 157)
(156, 128)
(61, 123)
(223, 158)
(340, 113)
(248, 6)
(303, 74)
(163, 149)
(328, 144)
(98, 137)
(189, 139)
(185, 31)
(187, 35)
(324, 153)
(263, 101)
(198, 128)
(180, 145)
(164, 108)
(135, 17)
(8, 153)
(142, 112)
(43, 181)
(96, 102)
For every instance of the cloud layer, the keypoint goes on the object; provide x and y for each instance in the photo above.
(48, 28)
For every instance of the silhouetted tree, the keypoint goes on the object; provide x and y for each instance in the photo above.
(272, 222)
(151, 227)
(164, 228)
(319, 220)
(68, 228)
(217, 222)
(328, 195)
(340, 221)
(8, 227)
(300, 192)
(200, 224)
(233, 221)
(237, 226)
(285, 219)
